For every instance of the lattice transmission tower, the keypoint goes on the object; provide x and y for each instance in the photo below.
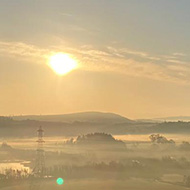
(38, 171)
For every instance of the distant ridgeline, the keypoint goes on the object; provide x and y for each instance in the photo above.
(86, 124)
(3, 118)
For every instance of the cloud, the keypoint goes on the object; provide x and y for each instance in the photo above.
(176, 61)
(179, 54)
(22, 50)
(123, 51)
(67, 14)
(106, 59)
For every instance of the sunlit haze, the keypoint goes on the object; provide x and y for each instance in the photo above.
(134, 57)
(94, 94)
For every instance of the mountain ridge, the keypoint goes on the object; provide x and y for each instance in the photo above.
(91, 116)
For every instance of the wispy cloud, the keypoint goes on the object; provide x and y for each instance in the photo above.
(176, 61)
(123, 51)
(121, 60)
(67, 14)
(179, 54)
(22, 50)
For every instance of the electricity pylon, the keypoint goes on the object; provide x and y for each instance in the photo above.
(38, 171)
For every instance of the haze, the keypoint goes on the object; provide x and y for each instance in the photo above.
(133, 57)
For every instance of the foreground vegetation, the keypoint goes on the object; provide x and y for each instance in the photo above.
(99, 156)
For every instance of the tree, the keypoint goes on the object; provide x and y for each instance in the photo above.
(185, 145)
(157, 138)
(6, 147)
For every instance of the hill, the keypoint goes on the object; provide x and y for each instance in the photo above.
(97, 141)
(92, 117)
(85, 123)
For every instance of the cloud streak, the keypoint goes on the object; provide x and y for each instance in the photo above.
(107, 59)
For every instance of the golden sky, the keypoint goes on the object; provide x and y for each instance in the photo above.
(132, 57)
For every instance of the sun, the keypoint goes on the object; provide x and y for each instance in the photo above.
(62, 63)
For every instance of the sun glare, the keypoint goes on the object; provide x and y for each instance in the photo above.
(62, 63)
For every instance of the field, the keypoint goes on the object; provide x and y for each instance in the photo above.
(140, 165)
(133, 184)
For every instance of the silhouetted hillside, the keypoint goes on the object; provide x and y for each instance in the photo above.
(27, 128)
(95, 117)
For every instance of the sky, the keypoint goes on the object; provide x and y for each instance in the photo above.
(133, 57)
